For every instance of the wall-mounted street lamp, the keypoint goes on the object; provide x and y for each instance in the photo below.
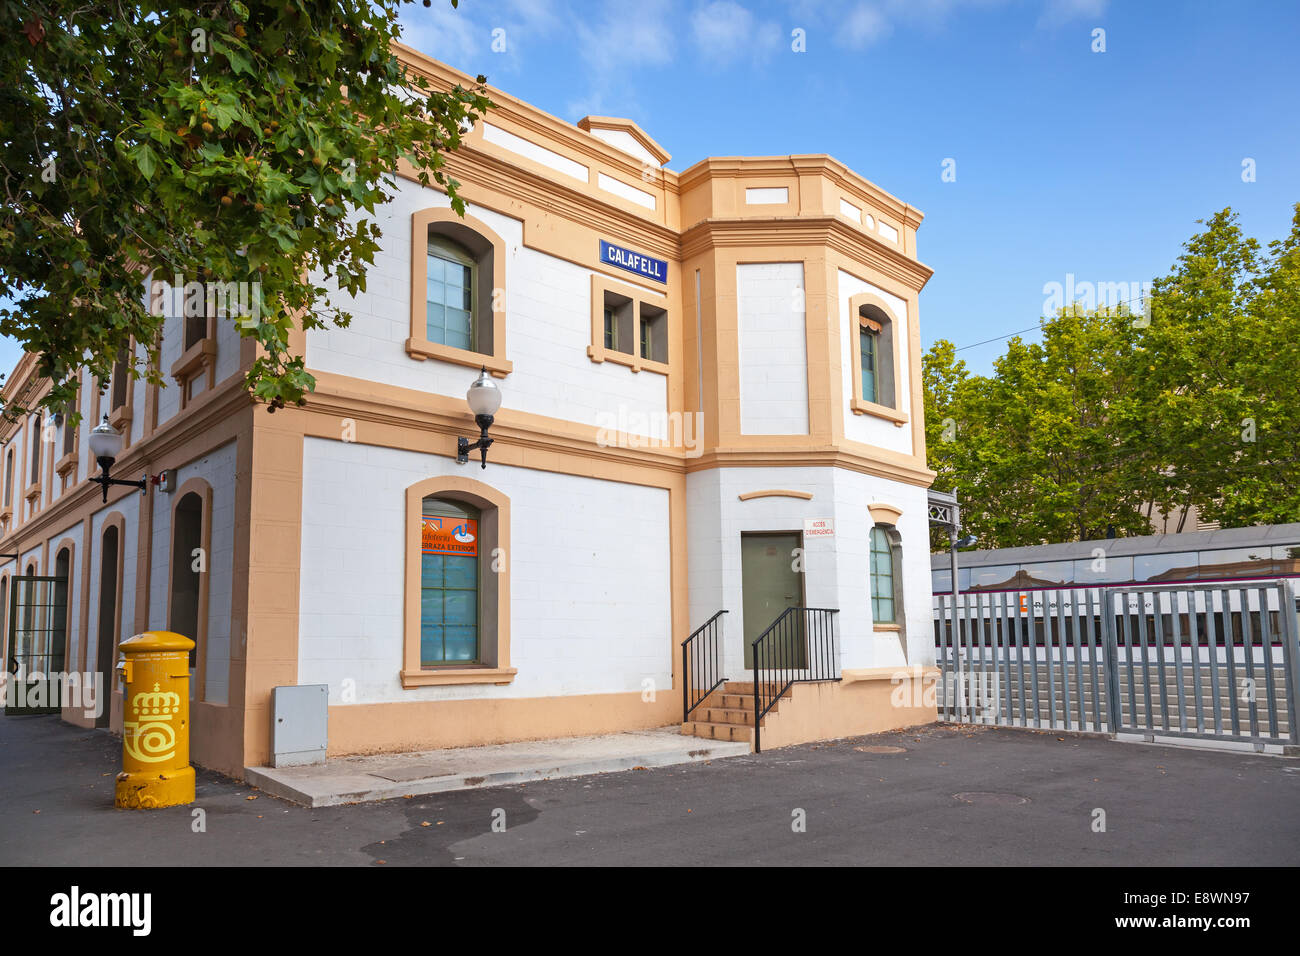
(106, 445)
(484, 399)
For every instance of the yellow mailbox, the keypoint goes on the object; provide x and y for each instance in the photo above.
(156, 769)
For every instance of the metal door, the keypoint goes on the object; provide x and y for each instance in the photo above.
(770, 583)
(38, 617)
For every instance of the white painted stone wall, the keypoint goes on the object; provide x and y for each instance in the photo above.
(836, 568)
(548, 329)
(773, 348)
(590, 571)
(217, 468)
(868, 428)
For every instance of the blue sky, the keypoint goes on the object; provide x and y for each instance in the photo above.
(1067, 161)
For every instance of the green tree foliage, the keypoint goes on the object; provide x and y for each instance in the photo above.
(220, 141)
(1118, 416)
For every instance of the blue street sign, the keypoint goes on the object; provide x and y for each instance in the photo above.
(630, 261)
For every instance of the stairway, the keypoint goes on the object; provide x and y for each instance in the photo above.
(728, 713)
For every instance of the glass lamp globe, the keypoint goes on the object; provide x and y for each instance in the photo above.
(105, 442)
(483, 396)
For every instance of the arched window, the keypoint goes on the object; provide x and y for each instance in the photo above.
(886, 593)
(450, 284)
(107, 625)
(4, 618)
(458, 291)
(59, 609)
(9, 478)
(27, 643)
(457, 584)
(877, 338)
(876, 356)
(187, 571)
(450, 559)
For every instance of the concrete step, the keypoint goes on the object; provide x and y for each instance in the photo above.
(723, 715)
(712, 731)
(734, 702)
(746, 688)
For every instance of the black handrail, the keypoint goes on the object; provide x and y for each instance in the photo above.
(701, 658)
(798, 647)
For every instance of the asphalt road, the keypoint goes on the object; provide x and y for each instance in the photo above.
(1163, 806)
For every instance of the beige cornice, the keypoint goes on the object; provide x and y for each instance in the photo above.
(472, 167)
(746, 167)
(209, 410)
(529, 117)
(18, 378)
(340, 396)
(882, 463)
(826, 231)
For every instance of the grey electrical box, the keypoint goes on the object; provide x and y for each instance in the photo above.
(299, 725)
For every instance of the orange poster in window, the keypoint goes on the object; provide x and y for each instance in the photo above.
(441, 534)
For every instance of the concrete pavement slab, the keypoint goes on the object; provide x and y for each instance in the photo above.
(384, 776)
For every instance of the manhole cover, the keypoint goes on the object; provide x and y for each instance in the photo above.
(991, 799)
(880, 749)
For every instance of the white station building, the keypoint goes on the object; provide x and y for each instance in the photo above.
(710, 388)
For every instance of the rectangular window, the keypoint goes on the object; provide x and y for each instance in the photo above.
(196, 326)
(654, 333)
(119, 382)
(34, 437)
(618, 322)
(611, 329)
(882, 577)
(69, 429)
(449, 583)
(868, 340)
(450, 295)
(9, 478)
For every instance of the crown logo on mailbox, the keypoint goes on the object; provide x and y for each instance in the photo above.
(159, 704)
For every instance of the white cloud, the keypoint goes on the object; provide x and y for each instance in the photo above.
(725, 32)
(470, 37)
(864, 25)
(616, 44)
(625, 38)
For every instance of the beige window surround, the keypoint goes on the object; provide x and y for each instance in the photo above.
(494, 532)
(481, 241)
(857, 403)
(120, 417)
(596, 351)
(199, 360)
(200, 488)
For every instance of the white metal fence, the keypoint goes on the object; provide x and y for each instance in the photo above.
(1208, 660)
